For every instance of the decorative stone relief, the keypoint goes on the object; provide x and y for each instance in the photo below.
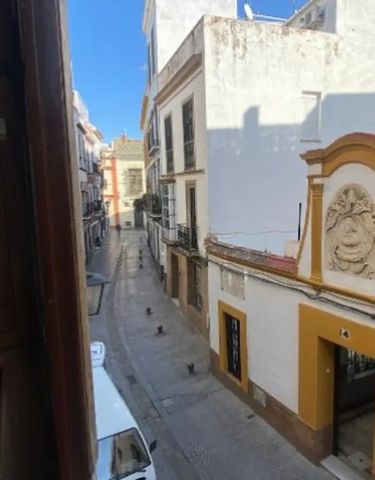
(350, 232)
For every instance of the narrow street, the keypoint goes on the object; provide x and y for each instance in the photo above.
(203, 430)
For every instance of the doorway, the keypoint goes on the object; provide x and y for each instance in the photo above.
(336, 388)
(175, 276)
(354, 409)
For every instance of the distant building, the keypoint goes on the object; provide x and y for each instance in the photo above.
(89, 143)
(123, 164)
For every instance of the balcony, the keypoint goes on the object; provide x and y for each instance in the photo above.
(169, 235)
(152, 204)
(98, 206)
(89, 209)
(95, 168)
(187, 237)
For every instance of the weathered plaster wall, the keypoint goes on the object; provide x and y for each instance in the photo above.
(255, 75)
(176, 19)
(272, 331)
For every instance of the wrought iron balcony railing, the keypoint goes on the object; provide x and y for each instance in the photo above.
(170, 235)
(187, 236)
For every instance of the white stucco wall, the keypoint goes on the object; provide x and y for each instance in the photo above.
(192, 88)
(255, 76)
(272, 331)
(176, 19)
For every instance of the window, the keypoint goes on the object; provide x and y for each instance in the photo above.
(133, 182)
(311, 112)
(153, 59)
(153, 132)
(195, 285)
(165, 205)
(149, 64)
(233, 335)
(121, 455)
(188, 124)
(169, 143)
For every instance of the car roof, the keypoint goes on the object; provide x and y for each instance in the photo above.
(112, 414)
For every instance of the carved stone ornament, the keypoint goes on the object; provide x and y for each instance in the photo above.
(350, 232)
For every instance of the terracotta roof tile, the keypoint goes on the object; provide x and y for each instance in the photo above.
(128, 147)
(252, 257)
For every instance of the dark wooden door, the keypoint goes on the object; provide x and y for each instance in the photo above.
(175, 277)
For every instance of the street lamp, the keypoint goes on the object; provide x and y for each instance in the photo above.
(95, 288)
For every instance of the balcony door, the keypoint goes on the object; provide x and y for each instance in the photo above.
(191, 213)
(191, 207)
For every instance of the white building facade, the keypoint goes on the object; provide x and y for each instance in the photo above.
(89, 144)
(238, 103)
(163, 39)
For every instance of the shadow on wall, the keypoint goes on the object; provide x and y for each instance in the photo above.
(256, 177)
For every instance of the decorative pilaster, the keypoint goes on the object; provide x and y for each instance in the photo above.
(316, 230)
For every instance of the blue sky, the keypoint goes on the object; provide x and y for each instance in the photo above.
(108, 55)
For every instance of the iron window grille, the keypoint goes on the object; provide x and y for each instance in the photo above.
(233, 336)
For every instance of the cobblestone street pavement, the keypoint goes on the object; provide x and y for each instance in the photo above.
(203, 430)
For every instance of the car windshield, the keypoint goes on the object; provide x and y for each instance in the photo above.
(121, 455)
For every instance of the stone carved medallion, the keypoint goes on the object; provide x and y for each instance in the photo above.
(350, 232)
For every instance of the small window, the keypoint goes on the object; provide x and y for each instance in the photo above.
(128, 224)
(311, 113)
(188, 124)
(169, 143)
(233, 337)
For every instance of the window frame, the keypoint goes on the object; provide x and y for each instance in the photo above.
(169, 156)
(189, 142)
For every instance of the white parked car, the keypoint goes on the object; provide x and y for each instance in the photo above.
(97, 354)
(122, 450)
